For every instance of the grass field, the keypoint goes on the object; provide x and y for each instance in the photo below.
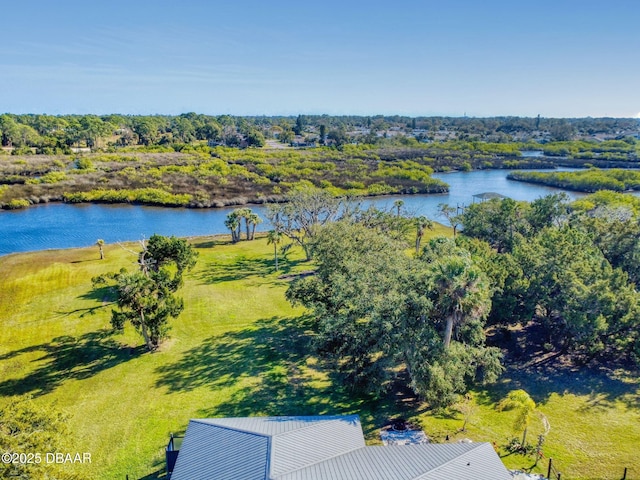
(240, 349)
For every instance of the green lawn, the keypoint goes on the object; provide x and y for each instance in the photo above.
(240, 349)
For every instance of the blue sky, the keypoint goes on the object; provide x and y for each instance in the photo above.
(561, 58)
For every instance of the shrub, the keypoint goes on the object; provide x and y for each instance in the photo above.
(22, 151)
(84, 163)
(51, 177)
(147, 196)
(17, 204)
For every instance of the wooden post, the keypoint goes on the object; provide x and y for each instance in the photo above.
(549, 469)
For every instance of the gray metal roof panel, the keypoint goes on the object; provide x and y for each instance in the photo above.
(480, 463)
(407, 462)
(222, 454)
(271, 426)
(319, 441)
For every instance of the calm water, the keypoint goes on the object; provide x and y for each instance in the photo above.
(65, 226)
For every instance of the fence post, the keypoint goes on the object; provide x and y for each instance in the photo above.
(549, 469)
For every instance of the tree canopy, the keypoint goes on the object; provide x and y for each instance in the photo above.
(526, 409)
(146, 298)
(570, 270)
(303, 213)
(375, 313)
(32, 429)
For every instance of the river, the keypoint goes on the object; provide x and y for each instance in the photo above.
(61, 225)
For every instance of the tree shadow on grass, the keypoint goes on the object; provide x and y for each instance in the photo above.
(157, 475)
(103, 294)
(222, 361)
(67, 358)
(160, 471)
(107, 296)
(243, 268)
(270, 371)
(209, 243)
(602, 385)
(542, 373)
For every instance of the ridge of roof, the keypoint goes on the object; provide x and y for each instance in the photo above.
(317, 420)
(269, 459)
(235, 429)
(332, 418)
(320, 419)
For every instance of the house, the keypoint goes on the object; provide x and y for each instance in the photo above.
(320, 447)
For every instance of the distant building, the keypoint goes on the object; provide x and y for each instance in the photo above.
(488, 196)
(320, 448)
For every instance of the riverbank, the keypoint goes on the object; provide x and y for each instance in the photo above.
(60, 225)
(591, 180)
(16, 194)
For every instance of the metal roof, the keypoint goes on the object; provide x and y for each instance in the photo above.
(452, 461)
(259, 448)
(314, 443)
(478, 463)
(270, 426)
(321, 448)
(220, 453)
(489, 195)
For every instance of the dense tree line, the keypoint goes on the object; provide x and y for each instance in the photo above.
(378, 309)
(385, 315)
(571, 270)
(57, 134)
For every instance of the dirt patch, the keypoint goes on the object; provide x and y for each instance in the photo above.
(166, 345)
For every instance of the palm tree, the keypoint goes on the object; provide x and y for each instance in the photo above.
(422, 223)
(253, 220)
(245, 213)
(527, 410)
(462, 292)
(274, 237)
(398, 205)
(232, 222)
(100, 244)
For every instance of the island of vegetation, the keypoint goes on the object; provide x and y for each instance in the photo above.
(195, 160)
(521, 329)
(590, 180)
